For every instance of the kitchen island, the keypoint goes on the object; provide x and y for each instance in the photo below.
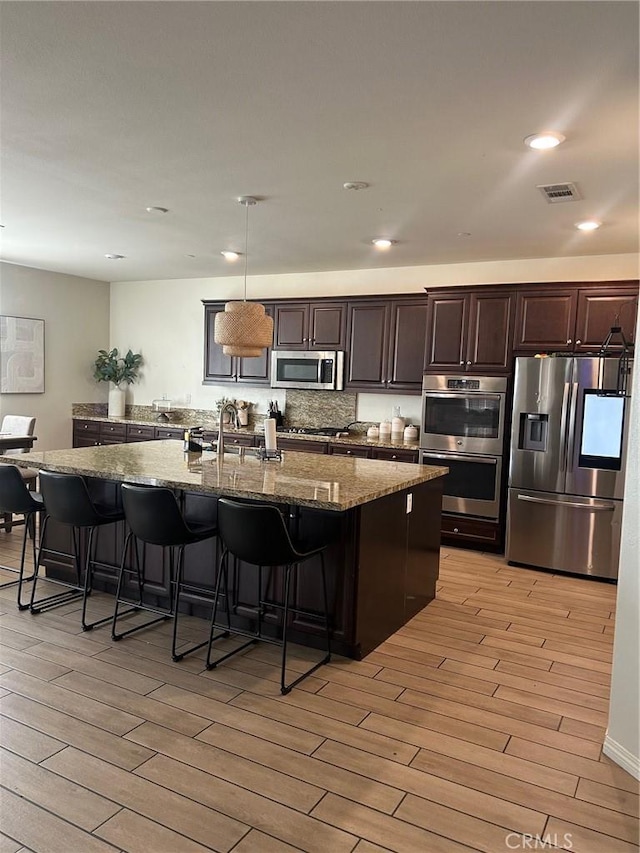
(381, 521)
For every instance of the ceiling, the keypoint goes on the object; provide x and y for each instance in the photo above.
(110, 107)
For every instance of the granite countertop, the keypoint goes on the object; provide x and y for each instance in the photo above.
(359, 439)
(304, 479)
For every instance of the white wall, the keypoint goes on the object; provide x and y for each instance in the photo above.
(622, 742)
(76, 315)
(164, 319)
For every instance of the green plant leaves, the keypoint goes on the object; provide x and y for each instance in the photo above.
(112, 367)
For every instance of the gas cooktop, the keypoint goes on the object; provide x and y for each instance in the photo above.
(332, 432)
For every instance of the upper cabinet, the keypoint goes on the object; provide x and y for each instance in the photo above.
(470, 331)
(559, 318)
(310, 325)
(385, 344)
(219, 367)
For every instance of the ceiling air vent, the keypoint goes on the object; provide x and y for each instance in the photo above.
(555, 193)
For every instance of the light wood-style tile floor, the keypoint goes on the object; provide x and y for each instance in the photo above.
(477, 727)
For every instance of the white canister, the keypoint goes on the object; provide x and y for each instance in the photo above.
(410, 433)
(397, 427)
(373, 432)
(384, 428)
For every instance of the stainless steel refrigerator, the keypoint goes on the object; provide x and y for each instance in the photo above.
(567, 464)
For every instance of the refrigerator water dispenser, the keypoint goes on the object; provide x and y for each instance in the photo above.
(534, 429)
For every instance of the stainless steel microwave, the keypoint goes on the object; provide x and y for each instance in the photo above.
(323, 371)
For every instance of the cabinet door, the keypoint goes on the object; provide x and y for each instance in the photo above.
(490, 333)
(327, 326)
(601, 308)
(255, 371)
(446, 329)
(407, 345)
(545, 322)
(218, 367)
(291, 327)
(140, 432)
(367, 344)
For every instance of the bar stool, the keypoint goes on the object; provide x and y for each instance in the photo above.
(154, 518)
(16, 498)
(19, 425)
(68, 502)
(257, 534)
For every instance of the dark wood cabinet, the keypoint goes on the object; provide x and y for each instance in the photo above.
(385, 344)
(577, 318)
(219, 367)
(300, 445)
(140, 432)
(310, 326)
(598, 310)
(343, 450)
(367, 343)
(392, 455)
(470, 331)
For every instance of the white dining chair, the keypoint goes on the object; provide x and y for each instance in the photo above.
(19, 425)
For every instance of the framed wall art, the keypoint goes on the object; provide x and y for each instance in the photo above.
(21, 355)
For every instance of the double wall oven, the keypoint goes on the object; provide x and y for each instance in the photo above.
(463, 423)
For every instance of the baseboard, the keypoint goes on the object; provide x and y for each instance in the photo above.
(613, 750)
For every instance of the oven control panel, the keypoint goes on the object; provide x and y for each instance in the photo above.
(463, 384)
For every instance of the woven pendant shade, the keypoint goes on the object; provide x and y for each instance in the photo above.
(243, 329)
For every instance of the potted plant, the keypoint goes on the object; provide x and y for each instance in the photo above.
(119, 370)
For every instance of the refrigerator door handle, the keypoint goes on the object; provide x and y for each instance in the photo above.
(573, 406)
(572, 504)
(563, 427)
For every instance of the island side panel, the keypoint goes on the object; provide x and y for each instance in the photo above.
(397, 562)
(423, 546)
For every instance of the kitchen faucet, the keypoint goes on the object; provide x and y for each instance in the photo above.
(227, 407)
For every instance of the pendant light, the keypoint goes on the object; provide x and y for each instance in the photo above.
(243, 328)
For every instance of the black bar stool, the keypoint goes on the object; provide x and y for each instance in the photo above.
(16, 498)
(257, 534)
(68, 502)
(154, 518)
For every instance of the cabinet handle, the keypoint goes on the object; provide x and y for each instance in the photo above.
(468, 363)
(578, 343)
(85, 426)
(456, 530)
(462, 362)
(348, 453)
(394, 456)
(569, 341)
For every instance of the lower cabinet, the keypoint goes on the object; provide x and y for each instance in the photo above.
(343, 450)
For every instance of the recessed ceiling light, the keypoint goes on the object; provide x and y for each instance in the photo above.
(545, 140)
(355, 185)
(230, 256)
(588, 225)
(114, 257)
(383, 243)
(159, 211)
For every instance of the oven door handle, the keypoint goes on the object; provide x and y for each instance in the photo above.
(457, 395)
(486, 460)
(572, 504)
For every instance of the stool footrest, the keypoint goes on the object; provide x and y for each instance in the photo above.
(162, 618)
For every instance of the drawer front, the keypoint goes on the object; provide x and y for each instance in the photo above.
(300, 445)
(85, 440)
(340, 450)
(140, 433)
(169, 432)
(390, 455)
(466, 529)
(86, 427)
(112, 431)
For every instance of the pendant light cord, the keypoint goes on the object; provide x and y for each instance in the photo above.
(246, 249)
